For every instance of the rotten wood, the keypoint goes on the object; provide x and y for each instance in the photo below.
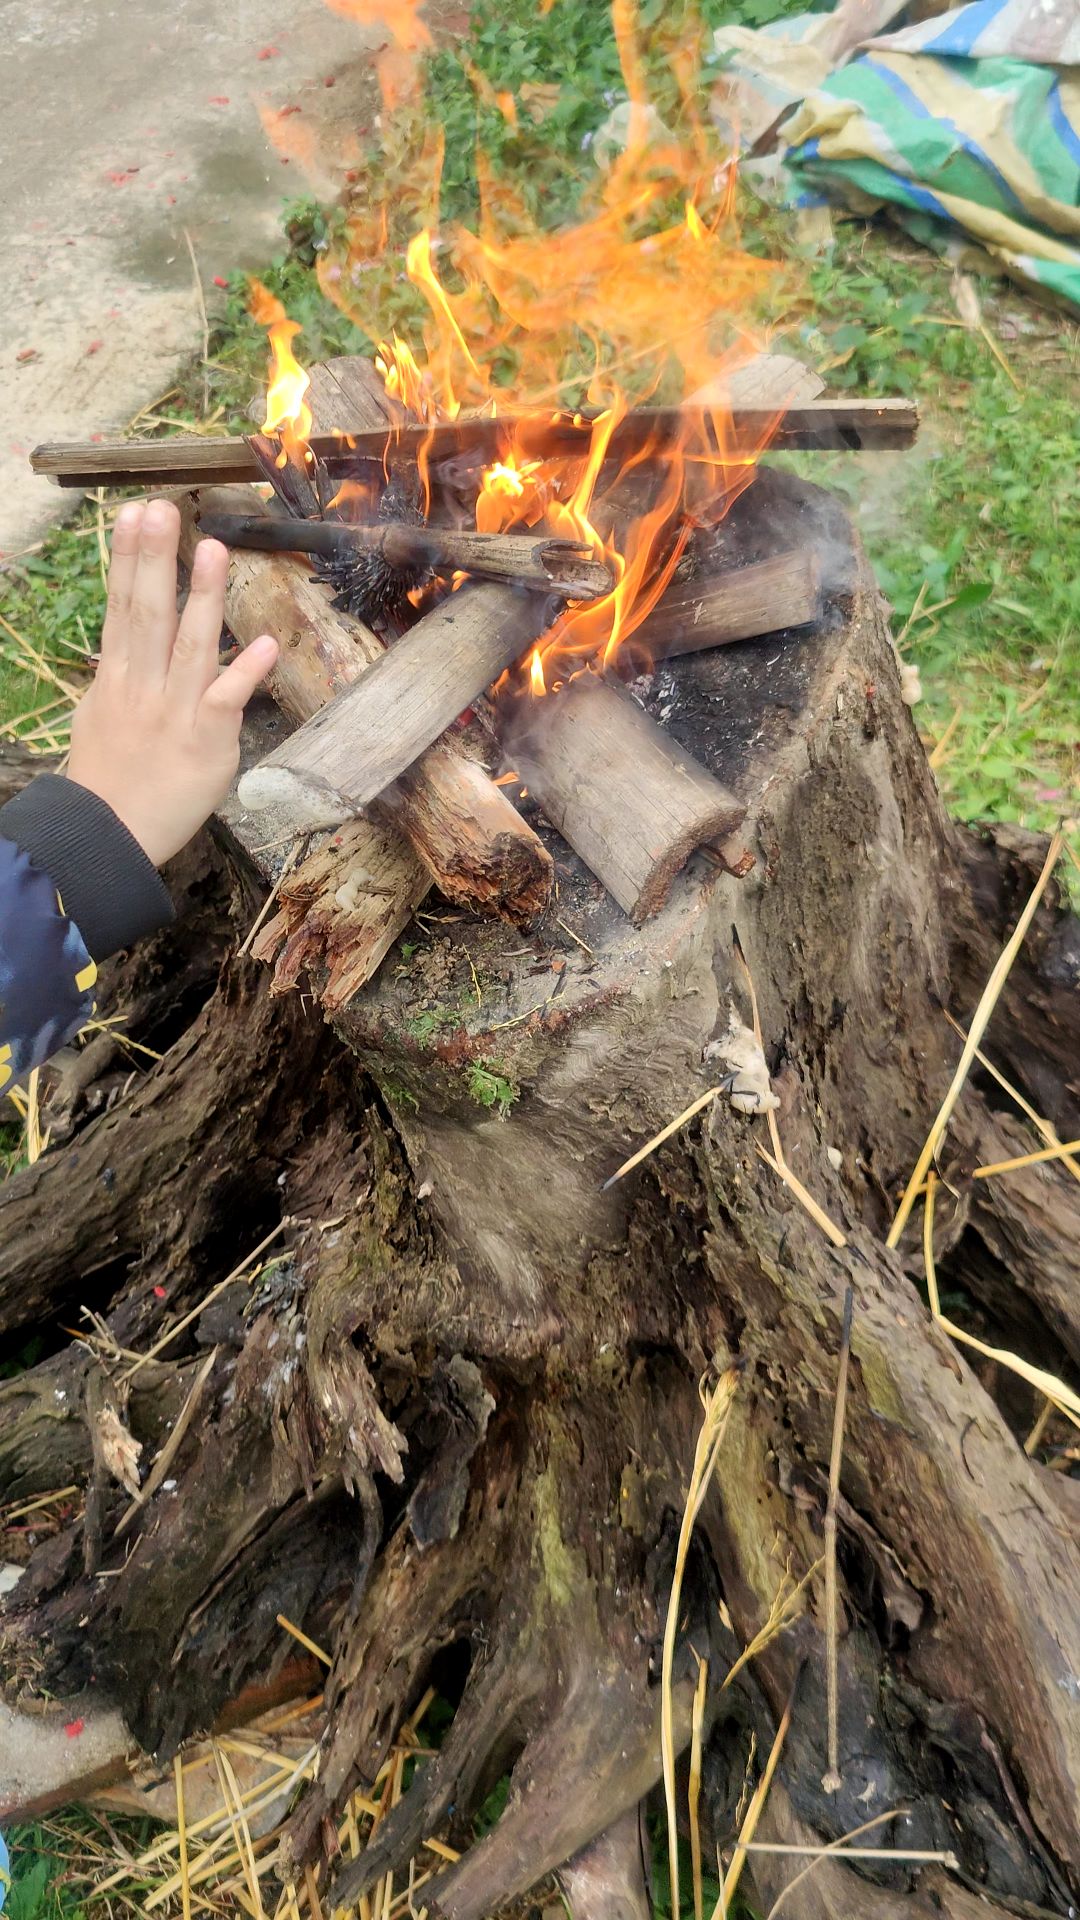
(784, 591)
(543, 564)
(355, 748)
(625, 796)
(844, 425)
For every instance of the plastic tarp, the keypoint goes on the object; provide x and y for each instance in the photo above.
(968, 121)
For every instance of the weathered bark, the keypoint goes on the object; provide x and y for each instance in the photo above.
(457, 1436)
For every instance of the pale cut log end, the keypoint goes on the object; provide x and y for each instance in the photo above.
(308, 803)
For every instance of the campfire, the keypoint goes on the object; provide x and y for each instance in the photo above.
(503, 582)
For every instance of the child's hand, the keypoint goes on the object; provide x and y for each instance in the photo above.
(157, 737)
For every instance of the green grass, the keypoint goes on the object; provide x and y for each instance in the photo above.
(984, 514)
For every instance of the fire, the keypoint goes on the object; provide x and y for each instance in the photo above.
(648, 297)
(509, 495)
(405, 380)
(287, 411)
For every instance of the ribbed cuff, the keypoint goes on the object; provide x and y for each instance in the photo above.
(105, 881)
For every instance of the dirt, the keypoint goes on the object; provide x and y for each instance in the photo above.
(124, 127)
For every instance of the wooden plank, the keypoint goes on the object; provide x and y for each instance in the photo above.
(826, 425)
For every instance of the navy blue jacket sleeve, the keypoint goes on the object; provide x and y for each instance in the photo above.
(75, 887)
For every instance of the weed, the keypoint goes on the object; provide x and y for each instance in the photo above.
(394, 1091)
(489, 1087)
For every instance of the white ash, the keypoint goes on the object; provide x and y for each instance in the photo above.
(749, 1089)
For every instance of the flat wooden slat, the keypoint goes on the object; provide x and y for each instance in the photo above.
(826, 425)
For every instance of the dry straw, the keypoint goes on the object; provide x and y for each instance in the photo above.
(750, 1822)
(717, 1403)
(694, 1786)
(1048, 1132)
(990, 996)
(1045, 1383)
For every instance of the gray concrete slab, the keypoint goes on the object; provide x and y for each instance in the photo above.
(125, 122)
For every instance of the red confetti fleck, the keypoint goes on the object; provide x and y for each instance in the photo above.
(268, 53)
(329, 81)
(160, 1291)
(284, 159)
(27, 353)
(219, 99)
(123, 179)
(220, 280)
(285, 112)
(95, 346)
(97, 438)
(172, 200)
(74, 1728)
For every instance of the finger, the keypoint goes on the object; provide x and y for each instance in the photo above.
(153, 594)
(193, 666)
(122, 564)
(223, 704)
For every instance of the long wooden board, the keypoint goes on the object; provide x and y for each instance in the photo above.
(825, 425)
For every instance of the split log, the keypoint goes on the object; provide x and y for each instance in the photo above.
(851, 425)
(537, 1347)
(715, 610)
(626, 798)
(355, 748)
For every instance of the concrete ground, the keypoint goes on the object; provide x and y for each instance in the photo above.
(126, 122)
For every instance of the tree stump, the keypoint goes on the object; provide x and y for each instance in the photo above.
(450, 1425)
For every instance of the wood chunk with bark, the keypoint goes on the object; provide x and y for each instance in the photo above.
(630, 802)
(443, 1257)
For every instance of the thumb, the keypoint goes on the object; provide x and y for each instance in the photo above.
(229, 694)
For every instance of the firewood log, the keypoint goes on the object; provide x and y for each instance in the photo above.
(469, 836)
(619, 789)
(784, 591)
(378, 726)
(532, 560)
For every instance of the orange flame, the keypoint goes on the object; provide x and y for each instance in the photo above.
(396, 65)
(634, 302)
(287, 411)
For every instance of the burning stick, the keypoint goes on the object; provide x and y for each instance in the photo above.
(543, 564)
(356, 747)
(625, 796)
(784, 591)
